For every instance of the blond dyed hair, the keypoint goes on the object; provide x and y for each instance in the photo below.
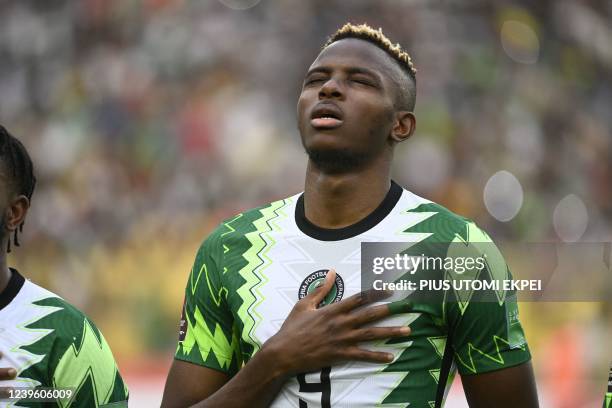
(367, 33)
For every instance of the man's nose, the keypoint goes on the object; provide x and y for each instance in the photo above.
(331, 89)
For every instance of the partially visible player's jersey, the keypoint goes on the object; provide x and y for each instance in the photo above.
(250, 272)
(53, 345)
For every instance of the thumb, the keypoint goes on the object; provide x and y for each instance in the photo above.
(317, 295)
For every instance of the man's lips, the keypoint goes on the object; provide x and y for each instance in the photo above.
(325, 123)
(326, 115)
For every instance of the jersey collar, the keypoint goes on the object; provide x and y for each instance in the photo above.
(12, 289)
(337, 234)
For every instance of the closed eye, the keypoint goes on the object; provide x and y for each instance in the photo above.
(314, 80)
(363, 82)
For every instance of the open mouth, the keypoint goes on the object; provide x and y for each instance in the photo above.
(326, 117)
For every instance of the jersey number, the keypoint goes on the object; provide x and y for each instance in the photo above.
(324, 387)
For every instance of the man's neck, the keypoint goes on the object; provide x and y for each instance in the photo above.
(337, 201)
(5, 273)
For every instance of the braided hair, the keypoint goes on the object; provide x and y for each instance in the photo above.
(19, 171)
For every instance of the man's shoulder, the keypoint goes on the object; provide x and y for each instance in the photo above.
(41, 319)
(54, 344)
(70, 342)
(58, 315)
(251, 221)
(436, 218)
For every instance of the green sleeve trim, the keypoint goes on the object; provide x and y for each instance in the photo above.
(487, 363)
(187, 356)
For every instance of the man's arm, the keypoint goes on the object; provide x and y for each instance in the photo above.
(487, 339)
(309, 339)
(189, 384)
(507, 388)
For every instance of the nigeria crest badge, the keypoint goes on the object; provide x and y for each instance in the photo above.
(315, 279)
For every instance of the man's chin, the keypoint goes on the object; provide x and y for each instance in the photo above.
(335, 160)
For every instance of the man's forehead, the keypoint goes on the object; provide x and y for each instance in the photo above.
(354, 52)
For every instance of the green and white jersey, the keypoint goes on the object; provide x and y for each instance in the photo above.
(249, 273)
(51, 344)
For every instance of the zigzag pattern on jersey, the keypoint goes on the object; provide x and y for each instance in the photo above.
(451, 236)
(496, 357)
(212, 343)
(216, 345)
(31, 335)
(79, 358)
(88, 359)
(252, 273)
(241, 245)
(422, 226)
(436, 230)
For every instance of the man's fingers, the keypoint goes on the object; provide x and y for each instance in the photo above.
(317, 295)
(361, 299)
(369, 315)
(378, 333)
(400, 306)
(374, 313)
(356, 353)
(7, 374)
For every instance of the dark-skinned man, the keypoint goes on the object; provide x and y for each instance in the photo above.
(273, 314)
(44, 341)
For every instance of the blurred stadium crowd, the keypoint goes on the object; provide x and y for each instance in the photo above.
(151, 120)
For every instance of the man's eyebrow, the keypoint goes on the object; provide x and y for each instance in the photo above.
(324, 70)
(360, 70)
(348, 70)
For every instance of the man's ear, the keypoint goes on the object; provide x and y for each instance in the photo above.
(16, 212)
(405, 123)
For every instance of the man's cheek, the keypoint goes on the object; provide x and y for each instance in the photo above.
(300, 112)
